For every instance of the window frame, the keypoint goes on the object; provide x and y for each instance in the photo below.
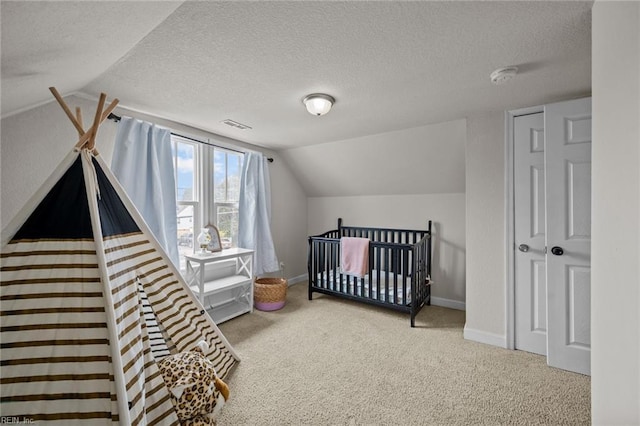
(212, 210)
(195, 202)
(204, 204)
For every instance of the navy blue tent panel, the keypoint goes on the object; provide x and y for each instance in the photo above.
(64, 211)
(114, 216)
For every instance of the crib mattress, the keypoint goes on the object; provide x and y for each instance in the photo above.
(360, 286)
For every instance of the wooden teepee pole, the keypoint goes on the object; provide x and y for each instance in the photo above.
(79, 118)
(87, 135)
(96, 121)
(66, 109)
(90, 135)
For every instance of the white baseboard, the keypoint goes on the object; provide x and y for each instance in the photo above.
(436, 301)
(485, 337)
(299, 278)
(448, 303)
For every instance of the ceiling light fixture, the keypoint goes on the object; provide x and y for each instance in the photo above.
(502, 75)
(318, 103)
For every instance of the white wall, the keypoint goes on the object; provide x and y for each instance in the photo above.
(407, 211)
(615, 258)
(34, 142)
(485, 225)
(420, 160)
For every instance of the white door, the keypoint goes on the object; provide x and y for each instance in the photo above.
(568, 197)
(529, 213)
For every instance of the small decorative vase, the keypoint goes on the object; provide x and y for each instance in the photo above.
(204, 239)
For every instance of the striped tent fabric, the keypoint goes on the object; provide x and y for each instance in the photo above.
(159, 341)
(89, 303)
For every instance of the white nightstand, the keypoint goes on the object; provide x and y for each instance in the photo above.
(224, 297)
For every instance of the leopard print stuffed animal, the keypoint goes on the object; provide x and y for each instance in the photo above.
(197, 393)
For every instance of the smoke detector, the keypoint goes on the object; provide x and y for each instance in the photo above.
(502, 75)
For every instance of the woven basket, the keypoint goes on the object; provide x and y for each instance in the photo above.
(269, 294)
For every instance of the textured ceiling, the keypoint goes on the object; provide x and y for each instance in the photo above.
(67, 44)
(390, 65)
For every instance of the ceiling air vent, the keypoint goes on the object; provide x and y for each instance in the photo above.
(235, 124)
(502, 75)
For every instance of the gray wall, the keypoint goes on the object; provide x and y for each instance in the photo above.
(419, 160)
(485, 225)
(34, 142)
(615, 256)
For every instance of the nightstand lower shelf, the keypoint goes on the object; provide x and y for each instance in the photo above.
(227, 311)
(224, 297)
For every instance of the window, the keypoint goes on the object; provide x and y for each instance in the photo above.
(185, 157)
(203, 201)
(227, 166)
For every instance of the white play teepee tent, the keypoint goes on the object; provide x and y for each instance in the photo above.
(89, 302)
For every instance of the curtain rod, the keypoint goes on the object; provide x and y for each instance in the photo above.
(117, 118)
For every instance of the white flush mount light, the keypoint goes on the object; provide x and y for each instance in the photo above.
(503, 75)
(318, 103)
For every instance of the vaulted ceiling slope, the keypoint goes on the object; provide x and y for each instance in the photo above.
(390, 65)
(67, 44)
(420, 160)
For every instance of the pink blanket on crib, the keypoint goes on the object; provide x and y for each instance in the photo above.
(354, 256)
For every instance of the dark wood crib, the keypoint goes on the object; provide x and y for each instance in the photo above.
(399, 268)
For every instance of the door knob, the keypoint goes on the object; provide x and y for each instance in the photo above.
(557, 251)
(523, 248)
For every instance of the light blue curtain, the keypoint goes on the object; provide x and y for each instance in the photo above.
(143, 164)
(255, 213)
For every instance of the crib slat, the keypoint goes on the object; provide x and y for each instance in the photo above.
(378, 267)
(403, 278)
(392, 272)
(314, 263)
(331, 270)
(321, 268)
(318, 263)
(387, 262)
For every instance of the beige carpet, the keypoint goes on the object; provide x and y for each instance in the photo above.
(335, 362)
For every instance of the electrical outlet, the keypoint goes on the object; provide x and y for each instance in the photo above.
(281, 265)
